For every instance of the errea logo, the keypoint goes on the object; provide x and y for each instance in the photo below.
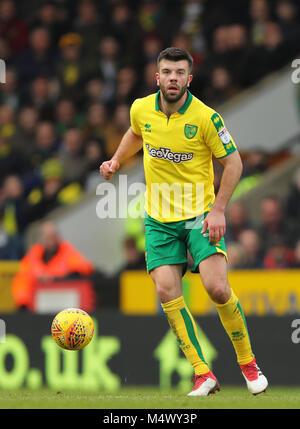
(147, 128)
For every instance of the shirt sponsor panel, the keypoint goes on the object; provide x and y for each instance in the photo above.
(167, 154)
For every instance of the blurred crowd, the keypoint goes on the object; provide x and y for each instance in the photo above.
(273, 241)
(270, 241)
(75, 67)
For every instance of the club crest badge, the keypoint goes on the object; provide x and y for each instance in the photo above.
(190, 131)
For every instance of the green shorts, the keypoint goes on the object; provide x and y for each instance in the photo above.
(167, 243)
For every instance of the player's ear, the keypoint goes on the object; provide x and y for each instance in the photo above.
(190, 79)
(157, 78)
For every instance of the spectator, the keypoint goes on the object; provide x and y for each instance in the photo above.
(149, 85)
(135, 259)
(287, 13)
(5, 52)
(259, 14)
(123, 28)
(151, 16)
(11, 161)
(293, 199)
(51, 259)
(219, 52)
(220, 43)
(126, 87)
(109, 63)
(9, 95)
(94, 91)
(296, 263)
(71, 71)
(221, 86)
(89, 26)
(278, 48)
(237, 221)
(255, 162)
(268, 56)
(7, 122)
(250, 241)
(12, 28)
(236, 255)
(192, 18)
(10, 246)
(51, 192)
(12, 200)
(23, 139)
(66, 116)
(196, 49)
(37, 59)
(279, 254)
(40, 96)
(238, 43)
(71, 155)
(50, 17)
(115, 129)
(96, 121)
(152, 45)
(46, 143)
(273, 225)
(95, 155)
(183, 41)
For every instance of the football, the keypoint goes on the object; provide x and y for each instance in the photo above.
(72, 329)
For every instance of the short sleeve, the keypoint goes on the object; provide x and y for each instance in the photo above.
(217, 137)
(133, 118)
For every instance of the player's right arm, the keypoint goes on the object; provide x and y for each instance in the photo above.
(130, 144)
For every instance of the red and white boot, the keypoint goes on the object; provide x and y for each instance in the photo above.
(256, 381)
(204, 384)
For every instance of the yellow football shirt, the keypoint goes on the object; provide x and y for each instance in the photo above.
(178, 156)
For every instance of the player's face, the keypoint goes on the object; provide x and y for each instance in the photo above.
(173, 78)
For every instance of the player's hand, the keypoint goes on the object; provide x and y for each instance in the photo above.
(216, 224)
(108, 168)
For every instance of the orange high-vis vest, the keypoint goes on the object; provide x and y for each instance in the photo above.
(66, 261)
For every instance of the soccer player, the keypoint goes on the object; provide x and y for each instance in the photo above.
(179, 134)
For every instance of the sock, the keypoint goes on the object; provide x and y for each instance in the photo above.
(183, 325)
(233, 320)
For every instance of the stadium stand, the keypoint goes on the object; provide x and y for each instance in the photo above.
(74, 68)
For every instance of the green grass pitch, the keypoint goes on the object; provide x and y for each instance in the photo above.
(150, 398)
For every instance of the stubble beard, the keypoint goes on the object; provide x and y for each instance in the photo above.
(173, 99)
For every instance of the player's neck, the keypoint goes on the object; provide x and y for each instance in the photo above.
(169, 108)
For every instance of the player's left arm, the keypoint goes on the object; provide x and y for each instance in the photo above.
(215, 220)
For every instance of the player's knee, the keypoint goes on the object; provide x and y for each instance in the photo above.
(164, 292)
(219, 292)
(167, 283)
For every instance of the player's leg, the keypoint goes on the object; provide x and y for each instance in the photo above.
(166, 258)
(213, 271)
(167, 280)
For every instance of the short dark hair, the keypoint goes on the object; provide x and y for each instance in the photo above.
(175, 54)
